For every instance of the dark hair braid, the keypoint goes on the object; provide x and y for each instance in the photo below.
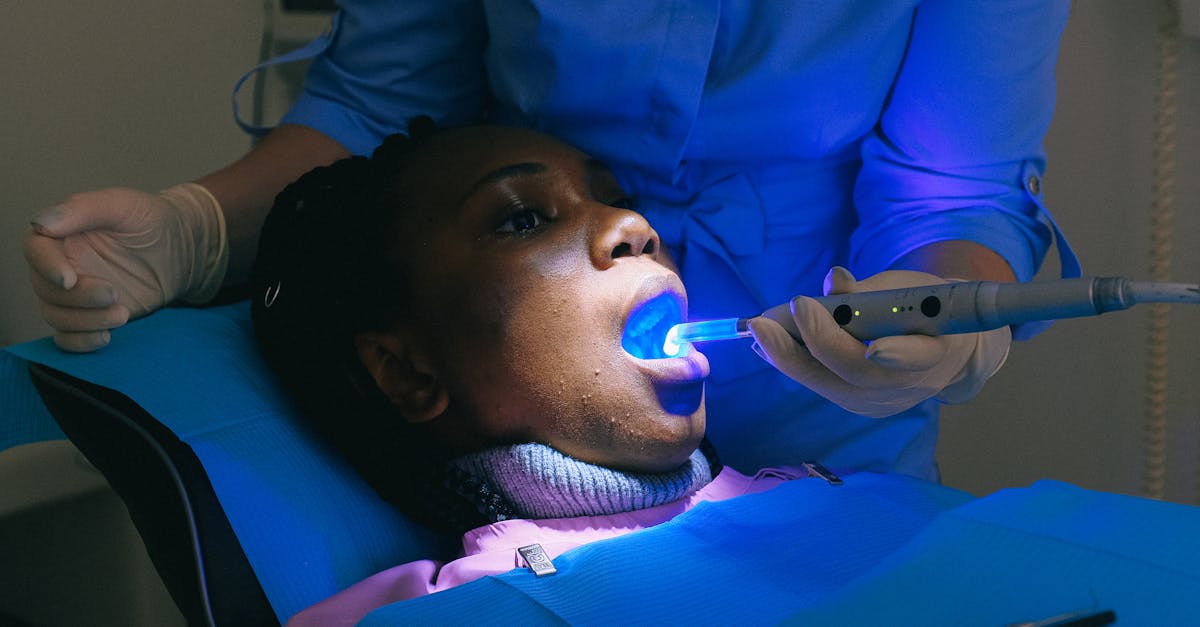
(322, 275)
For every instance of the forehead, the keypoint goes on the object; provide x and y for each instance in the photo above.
(455, 163)
(478, 150)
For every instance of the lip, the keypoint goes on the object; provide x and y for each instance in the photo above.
(692, 365)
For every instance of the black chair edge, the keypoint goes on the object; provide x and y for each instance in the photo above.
(169, 497)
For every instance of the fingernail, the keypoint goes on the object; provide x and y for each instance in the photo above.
(880, 356)
(44, 221)
(839, 279)
(812, 315)
(827, 284)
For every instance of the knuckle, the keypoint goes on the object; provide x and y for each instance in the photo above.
(29, 244)
(76, 200)
(117, 316)
(34, 249)
(50, 314)
(41, 287)
(81, 342)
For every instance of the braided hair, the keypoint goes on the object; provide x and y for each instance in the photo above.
(322, 275)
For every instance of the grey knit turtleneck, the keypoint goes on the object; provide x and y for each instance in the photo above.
(540, 482)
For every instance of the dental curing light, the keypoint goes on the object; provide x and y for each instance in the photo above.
(685, 333)
(963, 307)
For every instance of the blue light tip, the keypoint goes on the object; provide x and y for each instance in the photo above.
(672, 347)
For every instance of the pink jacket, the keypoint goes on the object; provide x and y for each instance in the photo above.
(492, 549)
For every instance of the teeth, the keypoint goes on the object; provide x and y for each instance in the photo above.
(647, 327)
(647, 322)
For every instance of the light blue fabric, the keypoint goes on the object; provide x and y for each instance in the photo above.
(307, 522)
(879, 550)
(1029, 554)
(765, 141)
(23, 416)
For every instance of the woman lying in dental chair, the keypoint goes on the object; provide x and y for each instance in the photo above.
(451, 315)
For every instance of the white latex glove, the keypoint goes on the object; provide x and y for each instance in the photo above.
(890, 375)
(102, 258)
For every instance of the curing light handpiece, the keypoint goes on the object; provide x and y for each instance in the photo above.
(962, 307)
(685, 333)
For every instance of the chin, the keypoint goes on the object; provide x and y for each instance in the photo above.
(668, 463)
(668, 456)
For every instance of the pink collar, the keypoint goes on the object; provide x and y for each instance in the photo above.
(508, 535)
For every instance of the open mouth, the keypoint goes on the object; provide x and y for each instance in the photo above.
(648, 324)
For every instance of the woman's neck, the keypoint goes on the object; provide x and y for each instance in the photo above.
(536, 481)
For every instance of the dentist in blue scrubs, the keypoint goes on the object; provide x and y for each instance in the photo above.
(779, 148)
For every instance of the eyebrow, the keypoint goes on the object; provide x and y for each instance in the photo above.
(515, 170)
(531, 168)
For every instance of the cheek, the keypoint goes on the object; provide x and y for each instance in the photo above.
(545, 336)
(563, 374)
(528, 340)
(512, 347)
(543, 308)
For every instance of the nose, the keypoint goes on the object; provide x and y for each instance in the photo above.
(623, 233)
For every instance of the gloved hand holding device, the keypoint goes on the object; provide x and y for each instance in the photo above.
(104, 257)
(890, 375)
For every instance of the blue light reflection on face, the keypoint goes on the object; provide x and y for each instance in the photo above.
(647, 327)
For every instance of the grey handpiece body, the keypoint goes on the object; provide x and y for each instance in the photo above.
(964, 307)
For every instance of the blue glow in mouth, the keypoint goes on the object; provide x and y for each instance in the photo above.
(647, 327)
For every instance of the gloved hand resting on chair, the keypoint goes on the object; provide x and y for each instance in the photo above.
(891, 374)
(102, 258)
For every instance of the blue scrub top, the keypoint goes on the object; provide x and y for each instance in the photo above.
(765, 142)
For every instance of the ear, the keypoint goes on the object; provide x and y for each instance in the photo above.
(402, 375)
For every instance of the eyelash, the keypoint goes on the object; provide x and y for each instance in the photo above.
(510, 224)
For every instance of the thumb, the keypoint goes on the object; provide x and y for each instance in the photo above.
(88, 211)
(908, 352)
(48, 260)
(771, 341)
(777, 347)
(839, 281)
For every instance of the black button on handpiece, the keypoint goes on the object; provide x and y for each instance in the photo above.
(843, 314)
(931, 306)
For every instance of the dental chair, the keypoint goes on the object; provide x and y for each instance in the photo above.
(210, 447)
(180, 519)
(248, 518)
